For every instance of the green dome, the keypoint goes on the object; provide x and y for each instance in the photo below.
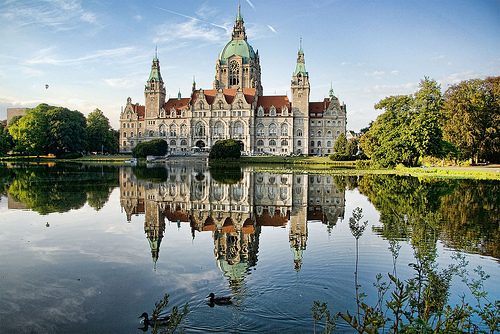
(238, 47)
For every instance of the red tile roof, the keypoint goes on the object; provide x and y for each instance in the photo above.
(275, 220)
(176, 104)
(229, 95)
(317, 108)
(278, 101)
(139, 110)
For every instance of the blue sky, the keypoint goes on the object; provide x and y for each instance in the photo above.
(96, 53)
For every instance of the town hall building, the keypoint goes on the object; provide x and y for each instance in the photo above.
(235, 108)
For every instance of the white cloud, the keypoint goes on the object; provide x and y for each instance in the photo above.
(387, 90)
(46, 56)
(395, 72)
(138, 18)
(375, 73)
(193, 29)
(271, 28)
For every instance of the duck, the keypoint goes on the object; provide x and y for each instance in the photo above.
(148, 321)
(225, 300)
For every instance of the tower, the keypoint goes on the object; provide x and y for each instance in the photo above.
(154, 92)
(300, 104)
(238, 65)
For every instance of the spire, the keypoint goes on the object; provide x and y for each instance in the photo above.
(179, 94)
(239, 29)
(301, 63)
(331, 92)
(156, 54)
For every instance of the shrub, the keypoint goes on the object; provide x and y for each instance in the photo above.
(228, 148)
(340, 157)
(154, 147)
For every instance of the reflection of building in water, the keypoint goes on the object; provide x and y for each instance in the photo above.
(234, 213)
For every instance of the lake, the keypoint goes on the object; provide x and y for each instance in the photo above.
(88, 248)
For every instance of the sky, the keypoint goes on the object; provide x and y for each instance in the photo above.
(96, 53)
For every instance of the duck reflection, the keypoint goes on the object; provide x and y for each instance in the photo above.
(233, 206)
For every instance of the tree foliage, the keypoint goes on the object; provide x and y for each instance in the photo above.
(340, 144)
(66, 131)
(408, 129)
(156, 147)
(472, 118)
(227, 148)
(101, 137)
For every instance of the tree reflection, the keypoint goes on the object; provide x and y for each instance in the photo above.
(463, 213)
(46, 189)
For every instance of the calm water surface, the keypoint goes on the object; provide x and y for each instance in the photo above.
(87, 249)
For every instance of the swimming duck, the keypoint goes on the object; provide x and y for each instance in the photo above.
(161, 320)
(219, 300)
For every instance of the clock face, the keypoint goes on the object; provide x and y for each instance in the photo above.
(234, 66)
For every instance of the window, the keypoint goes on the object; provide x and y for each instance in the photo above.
(284, 129)
(272, 129)
(184, 142)
(260, 130)
(151, 133)
(219, 129)
(272, 142)
(319, 133)
(284, 142)
(312, 143)
(328, 133)
(163, 130)
(272, 111)
(238, 129)
(200, 129)
(299, 133)
(319, 143)
(299, 142)
(172, 142)
(173, 130)
(260, 111)
(183, 130)
(260, 142)
(328, 144)
(339, 123)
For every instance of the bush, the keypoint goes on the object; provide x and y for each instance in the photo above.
(363, 164)
(156, 147)
(228, 148)
(340, 157)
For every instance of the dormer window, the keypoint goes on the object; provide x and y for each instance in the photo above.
(272, 111)
(260, 111)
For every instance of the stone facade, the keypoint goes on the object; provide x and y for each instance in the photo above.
(235, 108)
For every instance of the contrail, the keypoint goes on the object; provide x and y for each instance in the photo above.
(191, 17)
(251, 5)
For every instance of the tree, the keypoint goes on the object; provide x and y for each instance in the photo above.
(30, 131)
(100, 136)
(4, 143)
(340, 144)
(66, 131)
(408, 129)
(352, 147)
(156, 147)
(227, 148)
(472, 118)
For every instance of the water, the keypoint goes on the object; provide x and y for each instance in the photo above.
(87, 249)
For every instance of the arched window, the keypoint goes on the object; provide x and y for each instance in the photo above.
(284, 142)
(219, 129)
(284, 129)
(260, 142)
(299, 142)
(200, 129)
(260, 111)
(272, 142)
(328, 144)
(238, 129)
(328, 123)
(234, 73)
(319, 143)
(260, 130)
(183, 130)
(163, 130)
(319, 133)
(151, 133)
(272, 129)
(299, 133)
(184, 142)
(172, 142)
(339, 123)
(312, 143)
(272, 111)
(328, 133)
(173, 130)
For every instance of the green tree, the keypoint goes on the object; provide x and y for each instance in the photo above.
(4, 143)
(408, 129)
(472, 118)
(156, 147)
(100, 136)
(66, 131)
(352, 147)
(227, 148)
(340, 144)
(30, 132)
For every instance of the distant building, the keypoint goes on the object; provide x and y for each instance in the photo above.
(235, 108)
(12, 112)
